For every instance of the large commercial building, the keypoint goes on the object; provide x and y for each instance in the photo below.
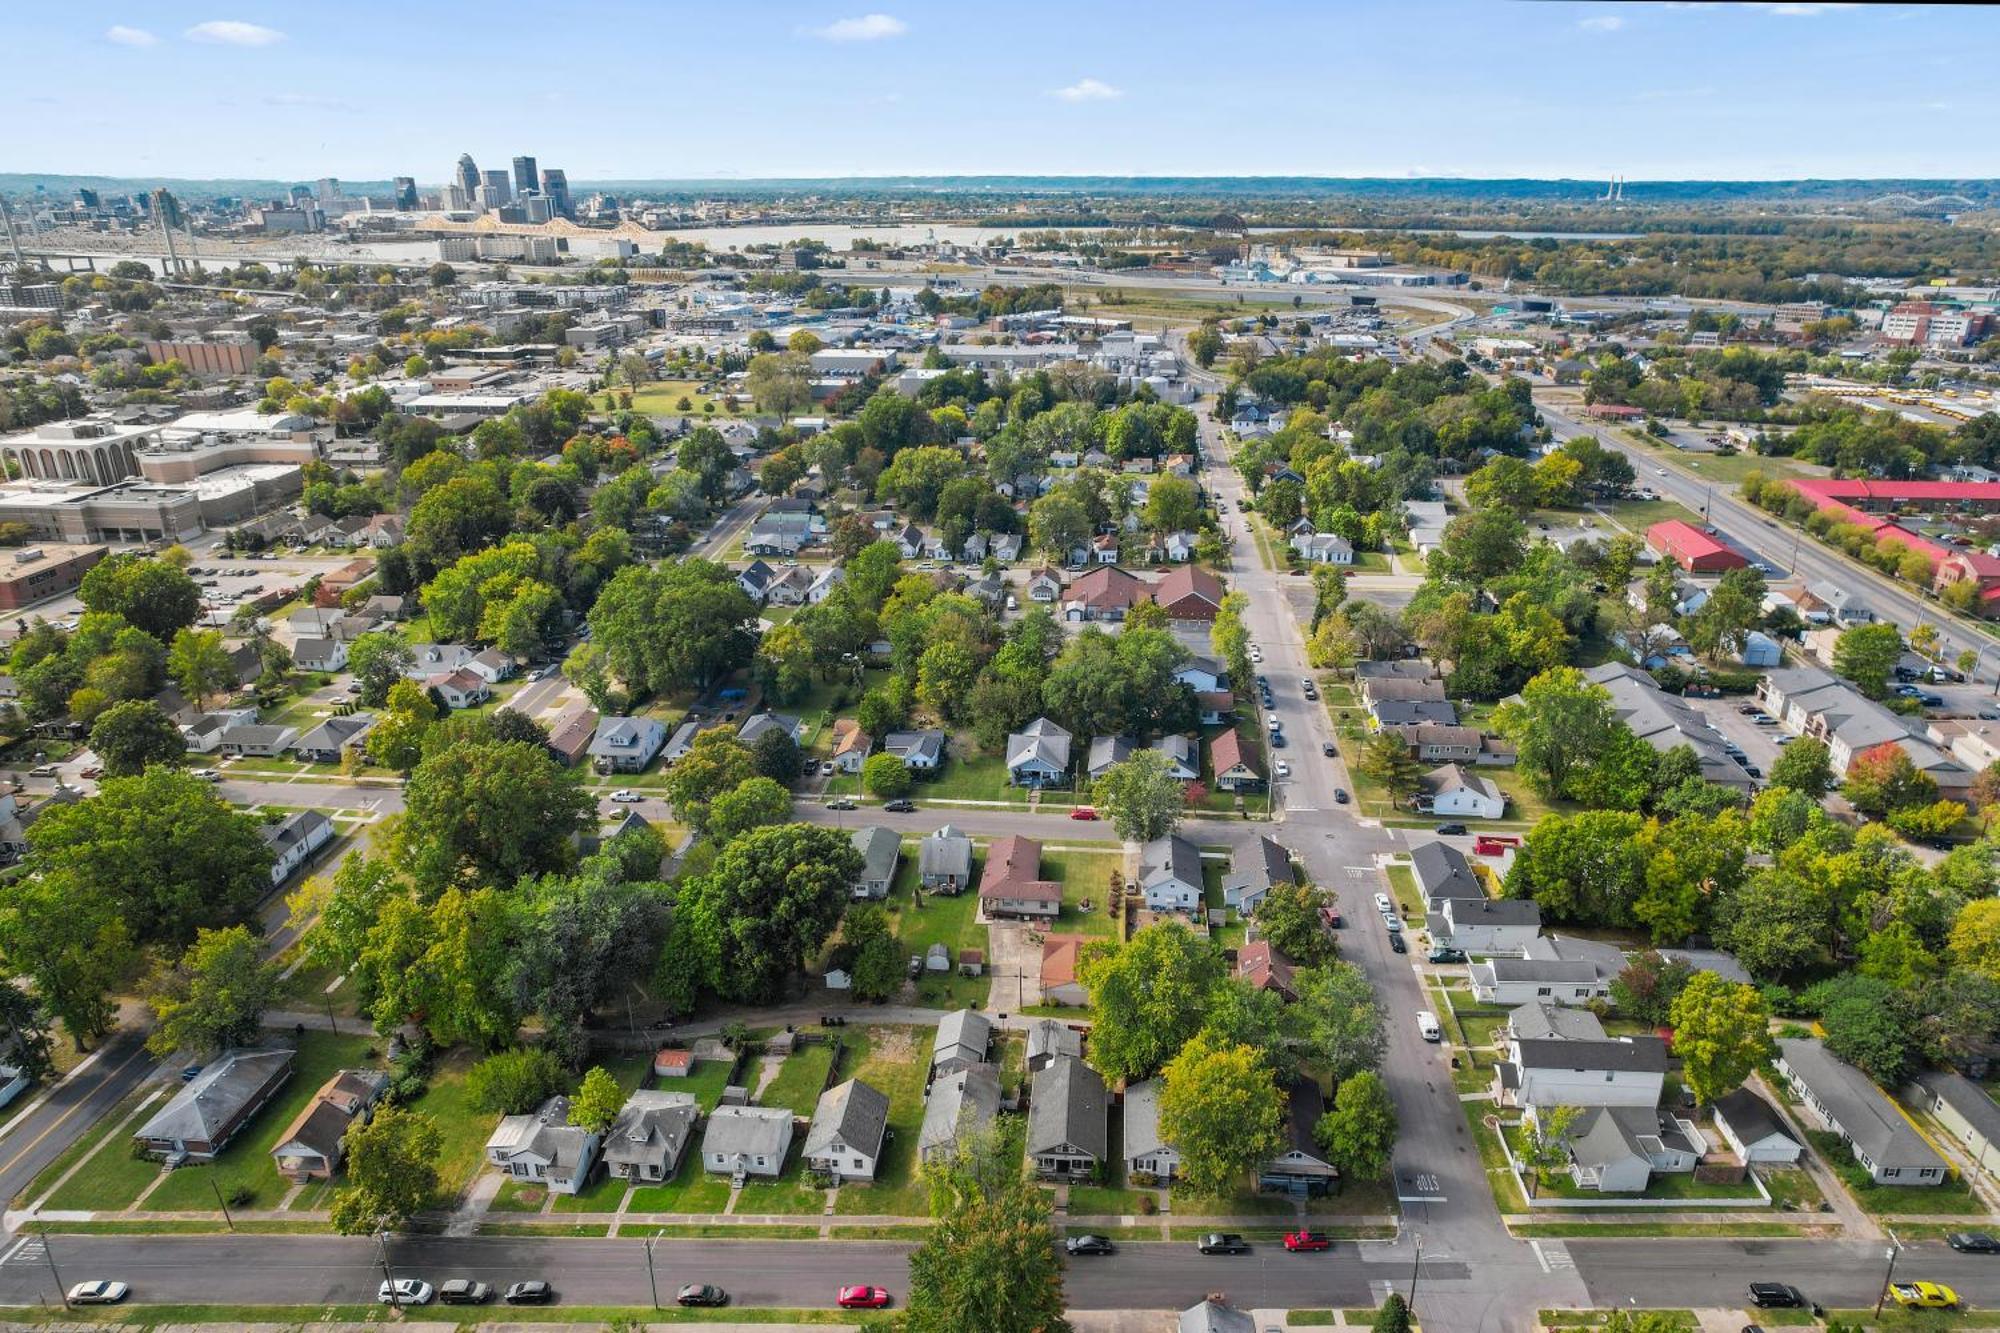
(1853, 500)
(94, 449)
(237, 357)
(525, 180)
(555, 184)
(1692, 549)
(36, 573)
(1927, 324)
(146, 511)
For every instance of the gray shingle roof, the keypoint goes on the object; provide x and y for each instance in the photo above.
(1142, 1119)
(758, 1131)
(880, 849)
(1051, 1038)
(963, 1101)
(1070, 1109)
(1555, 1022)
(651, 1127)
(1443, 872)
(1040, 741)
(963, 1034)
(1965, 1097)
(1750, 1117)
(1640, 1055)
(851, 1114)
(945, 852)
(209, 1101)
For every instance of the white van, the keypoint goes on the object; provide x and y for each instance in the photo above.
(1427, 1026)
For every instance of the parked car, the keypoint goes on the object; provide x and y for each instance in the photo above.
(206, 775)
(404, 1291)
(464, 1291)
(862, 1298)
(841, 803)
(1396, 944)
(1446, 954)
(1775, 1295)
(1326, 748)
(1284, 769)
(1923, 1296)
(1301, 1242)
(701, 1293)
(626, 796)
(529, 1293)
(1383, 904)
(100, 1292)
(1451, 830)
(1222, 1242)
(899, 806)
(1083, 812)
(1089, 1245)
(1340, 796)
(1393, 922)
(1277, 740)
(1972, 1242)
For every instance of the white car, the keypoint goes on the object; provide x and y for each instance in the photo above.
(407, 1291)
(626, 796)
(1659, 471)
(1382, 903)
(98, 1293)
(206, 775)
(1284, 769)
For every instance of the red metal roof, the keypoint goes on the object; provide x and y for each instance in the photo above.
(1860, 488)
(1684, 541)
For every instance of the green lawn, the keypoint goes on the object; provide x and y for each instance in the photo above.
(893, 1061)
(1951, 1198)
(800, 1079)
(662, 398)
(693, 1190)
(600, 1196)
(1105, 1200)
(979, 777)
(1557, 1184)
(1403, 888)
(465, 1130)
(519, 1196)
(791, 1192)
(940, 919)
(1085, 876)
(244, 1170)
(706, 1081)
(113, 1177)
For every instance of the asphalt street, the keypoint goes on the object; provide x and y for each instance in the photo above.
(43, 1125)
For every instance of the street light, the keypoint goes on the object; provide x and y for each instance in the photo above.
(388, 1276)
(1410, 1302)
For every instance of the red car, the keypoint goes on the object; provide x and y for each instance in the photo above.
(1300, 1241)
(862, 1298)
(1083, 812)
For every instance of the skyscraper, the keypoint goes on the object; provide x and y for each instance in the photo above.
(524, 175)
(468, 174)
(406, 193)
(499, 189)
(555, 184)
(328, 188)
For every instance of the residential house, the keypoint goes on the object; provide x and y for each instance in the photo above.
(758, 723)
(1552, 1022)
(645, 1143)
(1324, 548)
(850, 745)
(316, 654)
(256, 740)
(1754, 1131)
(1264, 968)
(1170, 874)
(492, 665)
(1438, 742)
(1233, 764)
(920, 751)
(1189, 593)
(964, 1038)
(880, 848)
(961, 1102)
(1616, 1149)
(1146, 1153)
(1665, 721)
(626, 744)
(1212, 1316)
(1813, 703)
(1453, 791)
(313, 1145)
(1583, 1071)
(571, 732)
(1965, 1111)
(680, 743)
(1105, 752)
(824, 583)
(1069, 1123)
(1400, 688)
(1253, 872)
(544, 1148)
(1044, 585)
(1006, 547)
(788, 588)
(204, 731)
(1553, 970)
(293, 840)
(1401, 668)
(463, 688)
(330, 741)
(1395, 714)
(909, 541)
(746, 1141)
(1214, 708)
(1010, 885)
(944, 861)
(847, 1130)
(1050, 1040)
(1038, 755)
(1302, 1169)
(1106, 593)
(1486, 925)
(779, 534)
(1442, 872)
(199, 1120)
(1846, 1101)
(1060, 955)
(1183, 756)
(1203, 674)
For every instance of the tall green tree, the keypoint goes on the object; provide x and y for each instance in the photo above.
(1142, 796)
(1338, 1019)
(1386, 757)
(772, 896)
(1148, 997)
(986, 1261)
(153, 595)
(1222, 1111)
(597, 1101)
(1804, 766)
(200, 665)
(392, 1173)
(1360, 1132)
(1722, 1031)
(128, 736)
(215, 996)
(1560, 722)
(1289, 917)
(675, 627)
(489, 814)
(74, 948)
(1866, 654)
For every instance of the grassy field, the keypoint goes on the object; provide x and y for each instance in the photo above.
(692, 1190)
(465, 1130)
(1637, 515)
(1085, 876)
(946, 920)
(801, 1079)
(893, 1061)
(113, 1177)
(662, 398)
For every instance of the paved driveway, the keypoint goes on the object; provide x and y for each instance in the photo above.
(1015, 962)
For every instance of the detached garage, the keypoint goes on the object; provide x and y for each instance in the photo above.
(1691, 548)
(1754, 1130)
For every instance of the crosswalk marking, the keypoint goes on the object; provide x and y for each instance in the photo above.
(1552, 1255)
(1357, 872)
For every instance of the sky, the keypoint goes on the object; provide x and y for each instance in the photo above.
(690, 89)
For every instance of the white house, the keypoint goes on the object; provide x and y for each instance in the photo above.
(1548, 1071)
(1455, 791)
(317, 654)
(294, 839)
(544, 1148)
(746, 1141)
(1324, 548)
(1170, 874)
(1486, 925)
(1146, 1153)
(848, 1126)
(626, 744)
(1847, 1102)
(1754, 1130)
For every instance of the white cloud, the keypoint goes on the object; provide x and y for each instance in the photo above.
(1793, 9)
(1602, 23)
(125, 36)
(867, 28)
(233, 32)
(1089, 90)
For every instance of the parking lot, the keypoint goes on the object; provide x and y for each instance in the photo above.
(1759, 744)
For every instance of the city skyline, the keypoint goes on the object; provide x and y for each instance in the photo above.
(1646, 91)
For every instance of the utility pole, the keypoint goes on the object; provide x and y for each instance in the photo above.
(331, 1021)
(652, 1281)
(216, 1185)
(388, 1276)
(1887, 1277)
(54, 1272)
(1416, 1264)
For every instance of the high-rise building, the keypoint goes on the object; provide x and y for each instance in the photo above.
(525, 181)
(406, 193)
(301, 194)
(497, 187)
(555, 184)
(468, 174)
(328, 189)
